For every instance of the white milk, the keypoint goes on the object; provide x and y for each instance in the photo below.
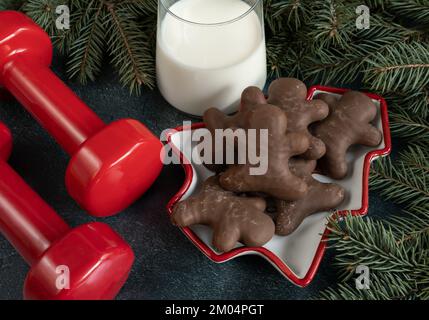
(203, 66)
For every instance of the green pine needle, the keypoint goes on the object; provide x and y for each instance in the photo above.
(43, 13)
(396, 271)
(377, 4)
(292, 12)
(139, 7)
(397, 289)
(416, 11)
(11, 4)
(333, 65)
(128, 50)
(284, 60)
(360, 241)
(412, 127)
(87, 50)
(333, 24)
(402, 66)
(414, 103)
(417, 159)
(397, 182)
(98, 27)
(413, 226)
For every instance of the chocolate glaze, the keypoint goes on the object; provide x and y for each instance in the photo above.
(348, 124)
(233, 218)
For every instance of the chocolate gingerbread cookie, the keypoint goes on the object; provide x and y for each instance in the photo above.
(233, 218)
(291, 96)
(320, 197)
(348, 124)
(277, 181)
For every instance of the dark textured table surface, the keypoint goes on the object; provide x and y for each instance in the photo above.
(167, 265)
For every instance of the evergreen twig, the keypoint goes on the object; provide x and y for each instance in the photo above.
(11, 4)
(414, 103)
(401, 66)
(398, 183)
(396, 271)
(413, 127)
(293, 12)
(86, 52)
(130, 56)
(98, 27)
(417, 9)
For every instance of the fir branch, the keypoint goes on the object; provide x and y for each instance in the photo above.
(339, 66)
(368, 243)
(43, 13)
(331, 65)
(11, 4)
(80, 11)
(416, 11)
(332, 23)
(86, 42)
(139, 7)
(416, 219)
(87, 51)
(398, 183)
(396, 290)
(396, 271)
(149, 27)
(415, 102)
(377, 4)
(276, 51)
(128, 51)
(413, 226)
(273, 24)
(417, 159)
(402, 67)
(413, 128)
(284, 60)
(294, 12)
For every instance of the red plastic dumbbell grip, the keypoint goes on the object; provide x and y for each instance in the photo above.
(51, 102)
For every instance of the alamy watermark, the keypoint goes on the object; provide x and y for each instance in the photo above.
(362, 281)
(363, 20)
(63, 20)
(225, 147)
(62, 280)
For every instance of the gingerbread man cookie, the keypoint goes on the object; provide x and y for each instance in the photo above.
(348, 124)
(277, 181)
(233, 218)
(290, 95)
(320, 197)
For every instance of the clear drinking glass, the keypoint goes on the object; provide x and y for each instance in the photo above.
(209, 51)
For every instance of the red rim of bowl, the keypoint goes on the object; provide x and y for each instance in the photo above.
(273, 258)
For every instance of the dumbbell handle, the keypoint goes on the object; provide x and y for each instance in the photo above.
(29, 224)
(51, 102)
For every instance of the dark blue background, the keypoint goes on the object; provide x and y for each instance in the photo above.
(167, 265)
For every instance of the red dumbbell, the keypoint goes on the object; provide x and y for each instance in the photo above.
(88, 262)
(111, 165)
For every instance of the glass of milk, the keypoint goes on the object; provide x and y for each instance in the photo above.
(209, 51)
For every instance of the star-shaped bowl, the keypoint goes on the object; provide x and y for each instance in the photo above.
(298, 255)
